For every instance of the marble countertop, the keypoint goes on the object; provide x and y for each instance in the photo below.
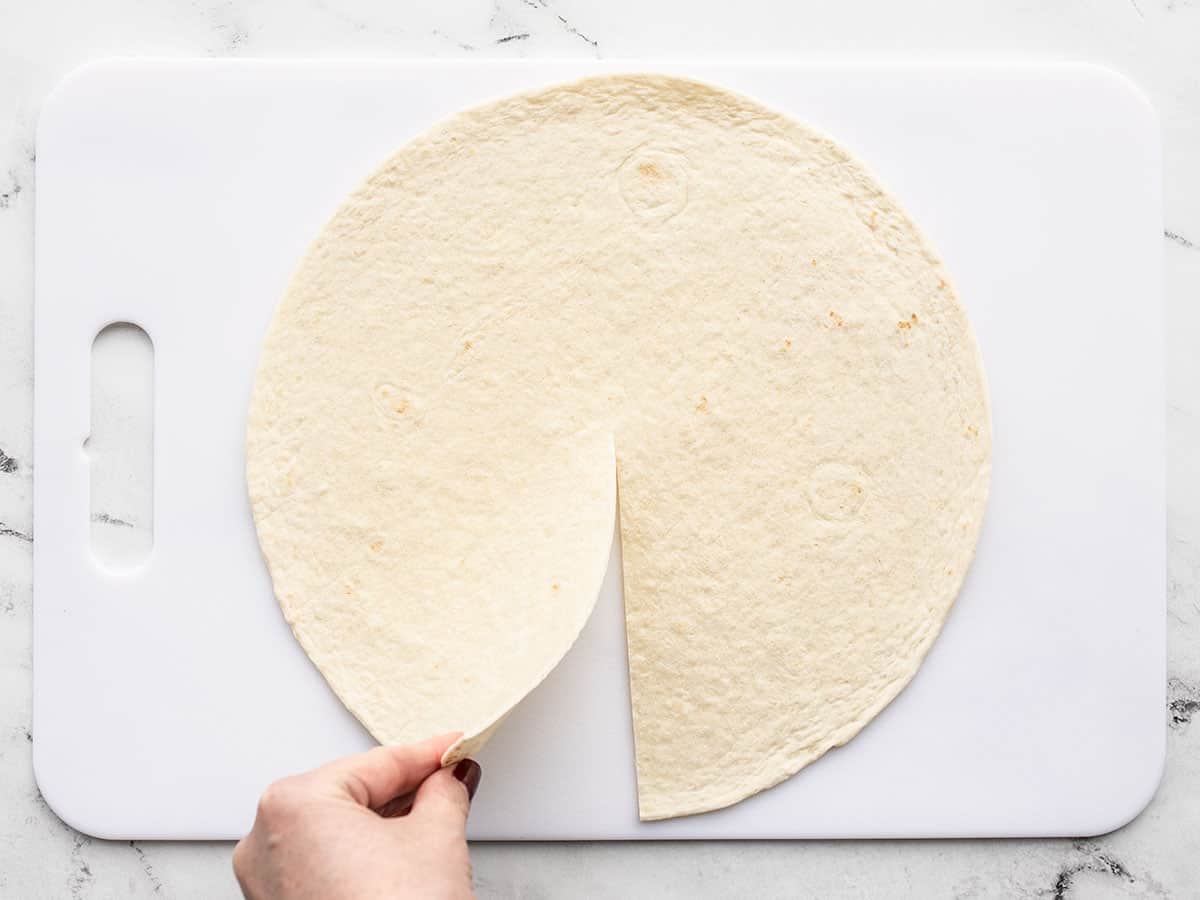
(1153, 41)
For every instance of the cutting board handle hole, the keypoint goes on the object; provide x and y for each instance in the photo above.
(120, 447)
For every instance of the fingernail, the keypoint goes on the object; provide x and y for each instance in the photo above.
(468, 772)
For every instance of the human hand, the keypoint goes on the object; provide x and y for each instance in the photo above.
(345, 831)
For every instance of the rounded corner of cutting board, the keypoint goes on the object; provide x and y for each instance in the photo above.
(1123, 98)
(1129, 797)
(59, 796)
(1120, 83)
(71, 88)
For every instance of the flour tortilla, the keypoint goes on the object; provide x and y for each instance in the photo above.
(797, 403)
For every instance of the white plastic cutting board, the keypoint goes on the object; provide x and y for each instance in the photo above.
(179, 196)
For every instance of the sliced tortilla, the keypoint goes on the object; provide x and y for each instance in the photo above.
(797, 402)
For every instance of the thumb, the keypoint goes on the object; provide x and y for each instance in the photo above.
(375, 777)
(445, 796)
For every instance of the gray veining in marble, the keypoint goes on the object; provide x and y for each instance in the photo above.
(1154, 41)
